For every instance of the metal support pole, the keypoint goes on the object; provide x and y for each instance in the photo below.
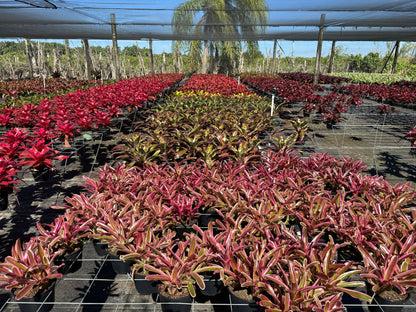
(116, 74)
(318, 50)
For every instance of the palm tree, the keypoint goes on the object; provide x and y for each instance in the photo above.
(231, 18)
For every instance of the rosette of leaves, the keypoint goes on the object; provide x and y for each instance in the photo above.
(29, 269)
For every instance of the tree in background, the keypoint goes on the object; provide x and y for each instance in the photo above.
(232, 17)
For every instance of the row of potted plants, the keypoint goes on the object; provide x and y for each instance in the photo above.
(400, 93)
(88, 108)
(308, 78)
(15, 88)
(189, 128)
(213, 84)
(330, 105)
(375, 78)
(60, 119)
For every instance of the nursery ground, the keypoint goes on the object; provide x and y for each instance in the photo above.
(376, 139)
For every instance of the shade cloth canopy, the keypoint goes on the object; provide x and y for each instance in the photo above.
(353, 20)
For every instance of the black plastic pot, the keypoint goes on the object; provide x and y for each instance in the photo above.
(206, 217)
(41, 302)
(4, 201)
(100, 247)
(72, 261)
(143, 286)
(213, 285)
(380, 304)
(41, 174)
(180, 304)
(119, 266)
(242, 301)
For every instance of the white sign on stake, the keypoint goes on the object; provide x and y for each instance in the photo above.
(272, 108)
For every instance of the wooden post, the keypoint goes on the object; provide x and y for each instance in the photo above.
(396, 55)
(87, 57)
(241, 61)
(66, 46)
(41, 58)
(273, 71)
(388, 59)
(331, 58)
(278, 60)
(164, 63)
(55, 59)
(204, 65)
(116, 74)
(293, 55)
(318, 50)
(152, 64)
(29, 59)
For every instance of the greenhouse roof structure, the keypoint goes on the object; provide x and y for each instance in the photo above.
(352, 20)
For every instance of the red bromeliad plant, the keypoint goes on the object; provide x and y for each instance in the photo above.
(29, 269)
(40, 155)
(12, 143)
(43, 135)
(65, 130)
(8, 177)
(119, 230)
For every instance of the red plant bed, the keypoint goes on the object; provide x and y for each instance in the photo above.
(65, 115)
(400, 93)
(331, 105)
(35, 86)
(90, 108)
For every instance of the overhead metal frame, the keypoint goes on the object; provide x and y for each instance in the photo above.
(354, 20)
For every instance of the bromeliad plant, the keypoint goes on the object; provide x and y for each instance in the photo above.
(180, 267)
(29, 270)
(8, 175)
(66, 234)
(140, 249)
(40, 155)
(411, 135)
(390, 265)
